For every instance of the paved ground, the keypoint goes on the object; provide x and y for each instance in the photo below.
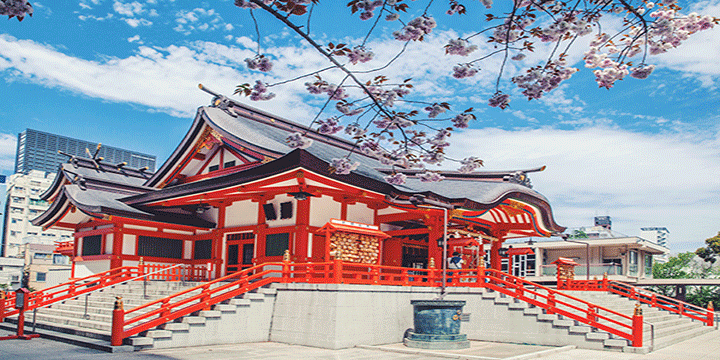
(705, 347)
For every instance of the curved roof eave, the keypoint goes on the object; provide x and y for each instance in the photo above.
(57, 207)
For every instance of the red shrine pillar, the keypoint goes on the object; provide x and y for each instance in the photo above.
(217, 240)
(116, 257)
(303, 227)
(495, 261)
(435, 232)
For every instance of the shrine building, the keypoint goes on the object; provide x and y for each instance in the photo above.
(233, 194)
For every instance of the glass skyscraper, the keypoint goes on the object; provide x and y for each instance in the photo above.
(37, 150)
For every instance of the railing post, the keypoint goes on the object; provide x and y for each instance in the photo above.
(286, 268)
(431, 272)
(206, 296)
(481, 275)
(551, 304)
(337, 268)
(637, 329)
(591, 314)
(118, 320)
(710, 314)
(2, 305)
(605, 281)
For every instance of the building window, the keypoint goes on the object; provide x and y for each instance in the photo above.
(160, 247)
(241, 236)
(632, 263)
(92, 245)
(203, 249)
(213, 168)
(42, 256)
(40, 276)
(276, 244)
(60, 259)
(648, 265)
(229, 164)
(286, 210)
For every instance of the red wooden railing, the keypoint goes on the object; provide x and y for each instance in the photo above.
(204, 296)
(653, 299)
(77, 287)
(69, 289)
(188, 272)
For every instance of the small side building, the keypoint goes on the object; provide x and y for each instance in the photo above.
(597, 249)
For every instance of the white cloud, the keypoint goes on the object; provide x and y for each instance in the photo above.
(128, 9)
(138, 22)
(135, 38)
(163, 79)
(199, 19)
(8, 146)
(638, 179)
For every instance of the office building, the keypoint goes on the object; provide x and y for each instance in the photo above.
(37, 150)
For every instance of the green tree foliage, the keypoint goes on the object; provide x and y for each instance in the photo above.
(678, 267)
(673, 269)
(711, 251)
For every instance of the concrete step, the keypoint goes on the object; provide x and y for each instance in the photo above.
(79, 339)
(679, 337)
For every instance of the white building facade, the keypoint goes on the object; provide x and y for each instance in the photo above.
(658, 235)
(23, 204)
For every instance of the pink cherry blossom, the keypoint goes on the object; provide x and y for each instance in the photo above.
(259, 62)
(343, 166)
(298, 141)
(430, 176)
(329, 126)
(499, 100)
(396, 179)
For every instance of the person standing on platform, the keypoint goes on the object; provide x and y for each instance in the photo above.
(454, 262)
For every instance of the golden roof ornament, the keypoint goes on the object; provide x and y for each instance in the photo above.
(431, 263)
(286, 256)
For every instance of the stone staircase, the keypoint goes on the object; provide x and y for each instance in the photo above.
(670, 328)
(87, 320)
(554, 329)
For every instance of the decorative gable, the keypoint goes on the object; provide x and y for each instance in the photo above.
(213, 155)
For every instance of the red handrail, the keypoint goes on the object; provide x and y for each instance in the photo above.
(653, 299)
(70, 289)
(216, 291)
(77, 287)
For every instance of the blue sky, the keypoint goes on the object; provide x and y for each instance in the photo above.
(125, 74)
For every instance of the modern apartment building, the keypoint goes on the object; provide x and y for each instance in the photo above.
(658, 235)
(23, 204)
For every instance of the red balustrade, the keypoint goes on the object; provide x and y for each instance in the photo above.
(203, 296)
(648, 297)
(77, 287)
(70, 289)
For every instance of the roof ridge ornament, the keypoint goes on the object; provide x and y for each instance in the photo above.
(220, 101)
(518, 177)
